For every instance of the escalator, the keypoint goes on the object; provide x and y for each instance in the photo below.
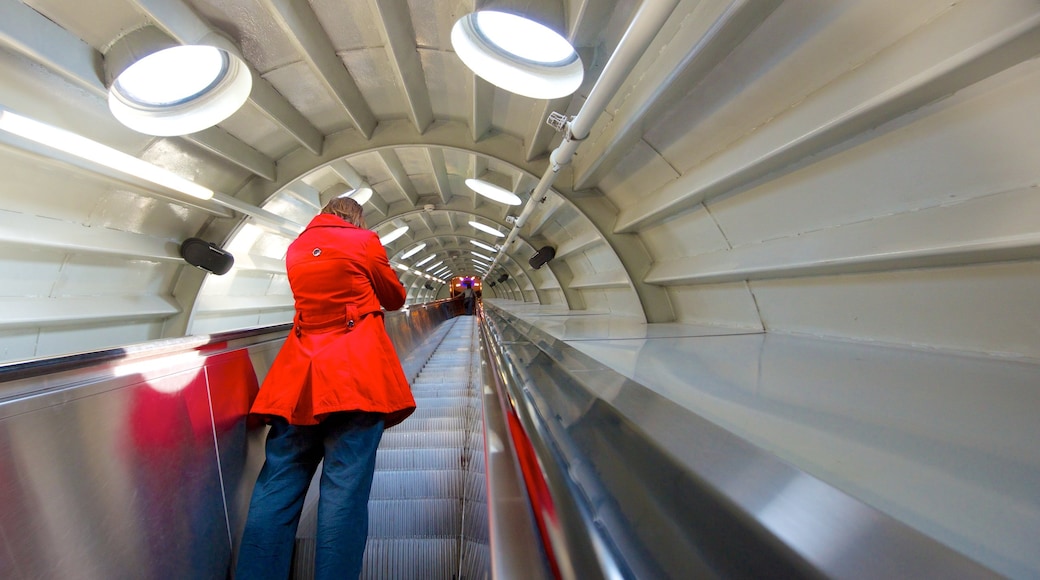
(427, 511)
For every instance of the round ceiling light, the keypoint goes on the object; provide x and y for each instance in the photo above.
(173, 89)
(172, 76)
(517, 54)
(493, 192)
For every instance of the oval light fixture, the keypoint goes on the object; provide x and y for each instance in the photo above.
(360, 195)
(424, 260)
(392, 236)
(493, 192)
(480, 244)
(482, 256)
(517, 54)
(413, 251)
(159, 87)
(487, 229)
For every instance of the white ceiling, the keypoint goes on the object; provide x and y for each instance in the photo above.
(763, 165)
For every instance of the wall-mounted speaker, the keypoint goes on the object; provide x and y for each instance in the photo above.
(428, 286)
(503, 278)
(492, 284)
(206, 256)
(542, 257)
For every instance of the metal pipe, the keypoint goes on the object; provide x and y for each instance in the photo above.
(645, 24)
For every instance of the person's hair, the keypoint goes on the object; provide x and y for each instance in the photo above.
(346, 208)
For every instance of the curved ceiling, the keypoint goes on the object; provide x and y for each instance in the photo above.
(760, 166)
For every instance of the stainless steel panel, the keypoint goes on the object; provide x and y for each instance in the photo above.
(675, 495)
(121, 472)
(139, 462)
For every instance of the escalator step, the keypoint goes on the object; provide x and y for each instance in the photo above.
(418, 484)
(411, 559)
(414, 518)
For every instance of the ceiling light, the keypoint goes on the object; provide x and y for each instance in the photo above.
(517, 54)
(424, 260)
(413, 251)
(493, 192)
(435, 265)
(159, 87)
(483, 245)
(94, 152)
(360, 195)
(524, 38)
(393, 235)
(482, 256)
(487, 229)
(401, 267)
(172, 76)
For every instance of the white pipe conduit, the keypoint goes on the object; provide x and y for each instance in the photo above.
(645, 25)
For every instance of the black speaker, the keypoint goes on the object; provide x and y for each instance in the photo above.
(503, 278)
(492, 284)
(542, 257)
(428, 286)
(206, 256)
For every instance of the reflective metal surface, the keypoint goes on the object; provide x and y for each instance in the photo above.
(139, 462)
(678, 496)
(130, 468)
(943, 442)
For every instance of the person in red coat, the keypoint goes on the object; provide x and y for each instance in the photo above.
(336, 384)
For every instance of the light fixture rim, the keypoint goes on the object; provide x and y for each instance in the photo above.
(510, 72)
(205, 109)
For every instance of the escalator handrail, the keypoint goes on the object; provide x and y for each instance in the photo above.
(572, 543)
(39, 367)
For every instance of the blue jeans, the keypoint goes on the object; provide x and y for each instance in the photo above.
(348, 443)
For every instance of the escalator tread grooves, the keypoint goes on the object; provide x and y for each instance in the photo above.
(428, 510)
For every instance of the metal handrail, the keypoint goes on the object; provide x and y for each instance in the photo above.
(662, 492)
(38, 367)
(573, 544)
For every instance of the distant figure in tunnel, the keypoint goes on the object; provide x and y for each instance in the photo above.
(468, 299)
(334, 386)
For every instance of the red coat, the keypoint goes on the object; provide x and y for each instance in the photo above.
(338, 356)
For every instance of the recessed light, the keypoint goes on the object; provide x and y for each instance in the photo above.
(487, 229)
(160, 87)
(360, 195)
(393, 235)
(493, 192)
(413, 251)
(517, 54)
(424, 260)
